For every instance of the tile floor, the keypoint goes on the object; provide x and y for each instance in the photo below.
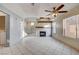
(38, 46)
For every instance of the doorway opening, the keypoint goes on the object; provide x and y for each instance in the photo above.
(4, 29)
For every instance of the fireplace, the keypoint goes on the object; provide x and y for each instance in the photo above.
(42, 33)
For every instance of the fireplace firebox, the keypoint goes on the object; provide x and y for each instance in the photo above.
(42, 33)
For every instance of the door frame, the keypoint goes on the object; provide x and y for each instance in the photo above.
(7, 28)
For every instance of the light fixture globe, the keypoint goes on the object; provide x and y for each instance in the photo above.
(32, 24)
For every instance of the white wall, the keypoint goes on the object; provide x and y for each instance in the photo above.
(14, 28)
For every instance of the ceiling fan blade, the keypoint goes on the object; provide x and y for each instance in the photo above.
(62, 11)
(41, 17)
(48, 14)
(32, 4)
(61, 6)
(47, 18)
(54, 8)
(48, 11)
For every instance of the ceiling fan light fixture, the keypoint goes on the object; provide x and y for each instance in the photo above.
(54, 14)
(56, 10)
(32, 24)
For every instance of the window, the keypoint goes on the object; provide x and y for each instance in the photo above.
(71, 27)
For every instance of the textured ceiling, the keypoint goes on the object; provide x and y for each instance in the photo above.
(28, 10)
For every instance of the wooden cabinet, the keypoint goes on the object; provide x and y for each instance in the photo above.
(2, 38)
(2, 31)
(2, 22)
